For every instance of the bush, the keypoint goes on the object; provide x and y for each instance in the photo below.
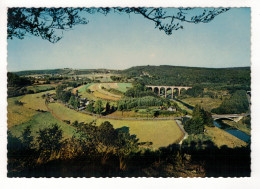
(19, 103)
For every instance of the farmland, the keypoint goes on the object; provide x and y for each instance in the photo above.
(104, 120)
(35, 101)
(17, 114)
(42, 121)
(161, 133)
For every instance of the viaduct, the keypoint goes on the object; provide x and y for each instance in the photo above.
(167, 87)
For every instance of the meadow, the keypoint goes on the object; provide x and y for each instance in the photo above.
(38, 88)
(42, 121)
(17, 114)
(35, 101)
(161, 132)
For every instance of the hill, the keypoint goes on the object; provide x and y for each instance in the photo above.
(228, 78)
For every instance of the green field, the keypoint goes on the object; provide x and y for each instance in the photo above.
(37, 88)
(161, 133)
(84, 88)
(41, 121)
(35, 101)
(123, 86)
(17, 114)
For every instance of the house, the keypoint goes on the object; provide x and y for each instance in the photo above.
(171, 109)
(51, 99)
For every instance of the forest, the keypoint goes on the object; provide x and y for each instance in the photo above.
(217, 78)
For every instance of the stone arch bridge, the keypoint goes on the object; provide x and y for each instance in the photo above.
(159, 87)
(232, 117)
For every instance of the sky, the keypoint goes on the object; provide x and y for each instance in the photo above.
(122, 41)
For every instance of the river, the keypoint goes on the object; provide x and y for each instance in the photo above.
(231, 130)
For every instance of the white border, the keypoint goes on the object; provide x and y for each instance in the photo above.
(252, 182)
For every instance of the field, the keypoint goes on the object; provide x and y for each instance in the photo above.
(35, 101)
(41, 121)
(17, 114)
(206, 102)
(123, 86)
(99, 93)
(161, 133)
(37, 88)
(221, 137)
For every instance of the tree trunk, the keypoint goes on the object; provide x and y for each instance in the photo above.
(122, 163)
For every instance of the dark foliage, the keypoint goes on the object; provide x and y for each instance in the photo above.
(200, 118)
(105, 152)
(214, 78)
(237, 103)
(129, 103)
(14, 80)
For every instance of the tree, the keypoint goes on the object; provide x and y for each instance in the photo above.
(27, 138)
(90, 107)
(98, 106)
(49, 141)
(200, 119)
(49, 23)
(126, 145)
(108, 108)
(107, 138)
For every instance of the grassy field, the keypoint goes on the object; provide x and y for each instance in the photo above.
(17, 114)
(161, 133)
(207, 103)
(41, 121)
(123, 87)
(37, 88)
(220, 138)
(84, 87)
(100, 93)
(35, 101)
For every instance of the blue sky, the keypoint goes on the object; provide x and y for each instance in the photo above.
(119, 41)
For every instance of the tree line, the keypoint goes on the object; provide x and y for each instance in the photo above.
(236, 104)
(219, 78)
(104, 151)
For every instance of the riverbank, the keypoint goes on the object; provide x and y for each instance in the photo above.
(221, 138)
(238, 125)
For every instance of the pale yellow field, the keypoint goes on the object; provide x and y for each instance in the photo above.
(161, 133)
(17, 114)
(35, 101)
(100, 93)
(221, 138)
